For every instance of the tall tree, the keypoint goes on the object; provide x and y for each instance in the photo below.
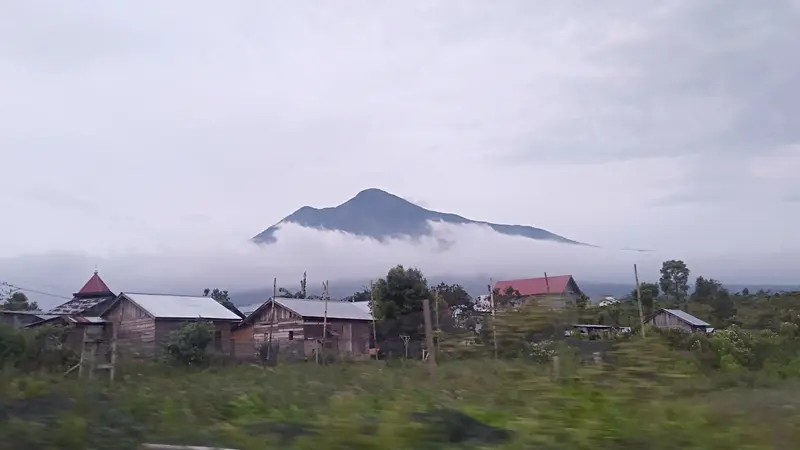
(18, 301)
(675, 279)
(397, 302)
(455, 305)
(223, 299)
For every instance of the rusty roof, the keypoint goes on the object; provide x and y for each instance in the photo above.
(536, 286)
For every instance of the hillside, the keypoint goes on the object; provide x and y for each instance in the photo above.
(380, 215)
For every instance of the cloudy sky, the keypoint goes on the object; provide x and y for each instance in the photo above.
(130, 125)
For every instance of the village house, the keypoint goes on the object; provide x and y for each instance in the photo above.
(92, 299)
(299, 323)
(556, 292)
(21, 319)
(145, 321)
(675, 318)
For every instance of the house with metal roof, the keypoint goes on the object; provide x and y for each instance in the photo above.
(90, 300)
(145, 321)
(556, 291)
(299, 323)
(676, 318)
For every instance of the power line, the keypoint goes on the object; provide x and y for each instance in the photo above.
(34, 291)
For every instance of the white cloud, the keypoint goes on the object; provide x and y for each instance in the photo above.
(189, 266)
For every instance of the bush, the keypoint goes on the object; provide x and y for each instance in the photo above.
(188, 345)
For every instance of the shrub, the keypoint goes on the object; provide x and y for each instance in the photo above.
(188, 345)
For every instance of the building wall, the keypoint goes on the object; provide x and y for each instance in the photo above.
(222, 334)
(137, 329)
(666, 320)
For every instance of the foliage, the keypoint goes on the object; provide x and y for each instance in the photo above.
(302, 293)
(18, 301)
(650, 293)
(188, 345)
(674, 279)
(398, 300)
(40, 348)
(223, 299)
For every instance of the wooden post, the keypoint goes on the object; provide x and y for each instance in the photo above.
(426, 305)
(115, 336)
(372, 312)
(271, 318)
(639, 297)
(494, 327)
(325, 320)
(82, 363)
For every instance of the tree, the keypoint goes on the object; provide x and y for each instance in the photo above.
(455, 305)
(223, 299)
(722, 306)
(363, 295)
(302, 293)
(650, 293)
(18, 301)
(397, 302)
(705, 290)
(674, 279)
(508, 298)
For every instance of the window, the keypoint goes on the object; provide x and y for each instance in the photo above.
(291, 335)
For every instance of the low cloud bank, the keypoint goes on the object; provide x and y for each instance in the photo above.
(450, 250)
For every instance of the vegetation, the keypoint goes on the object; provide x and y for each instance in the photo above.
(223, 299)
(516, 384)
(17, 301)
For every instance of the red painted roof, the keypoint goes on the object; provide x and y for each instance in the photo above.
(95, 285)
(536, 286)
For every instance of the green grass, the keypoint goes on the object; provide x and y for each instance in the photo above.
(371, 406)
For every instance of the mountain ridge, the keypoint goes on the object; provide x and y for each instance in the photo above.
(380, 215)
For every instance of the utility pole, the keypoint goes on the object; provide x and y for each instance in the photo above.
(372, 313)
(271, 318)
(426, 305)
(325, 319)
(436, 318)
(494, 328)
(639, 296)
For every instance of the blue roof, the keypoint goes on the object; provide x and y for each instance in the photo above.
(688, 318)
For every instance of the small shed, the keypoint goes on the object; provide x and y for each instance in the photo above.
(145, 321)
(675, 318)
(21, 319)
(556, 291)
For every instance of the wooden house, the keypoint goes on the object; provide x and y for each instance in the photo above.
(300, 323)
(145, 321)
(21, 319)
(675, 318)
(556, 292)
(92, 299)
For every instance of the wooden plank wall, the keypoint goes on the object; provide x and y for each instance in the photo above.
(137, 330)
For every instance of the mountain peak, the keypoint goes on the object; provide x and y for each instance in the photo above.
(381, 215)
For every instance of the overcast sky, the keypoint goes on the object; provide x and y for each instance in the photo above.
(673, 126)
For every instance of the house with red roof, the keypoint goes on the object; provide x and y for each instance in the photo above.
(557, 291)
(90, 301)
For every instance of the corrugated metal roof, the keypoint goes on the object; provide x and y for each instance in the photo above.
(316, 308)
(686, 317)
(82, 319)
(182, 307)
(78, 305)
(364, 306)
(250, 309)
(536, 286)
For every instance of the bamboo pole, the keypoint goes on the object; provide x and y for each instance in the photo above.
(271, 318)
(325, 320)
(372, 312)
(494, 327)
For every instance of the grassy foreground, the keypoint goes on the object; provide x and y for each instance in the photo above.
(645, 403)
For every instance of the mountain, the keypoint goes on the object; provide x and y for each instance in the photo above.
(380, 215)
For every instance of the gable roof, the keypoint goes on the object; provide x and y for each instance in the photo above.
(95, 286)
(686, 317)
(162, 306)
(316, 309)
(537, 286)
